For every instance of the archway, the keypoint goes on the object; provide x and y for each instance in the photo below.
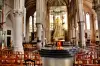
(8, 28)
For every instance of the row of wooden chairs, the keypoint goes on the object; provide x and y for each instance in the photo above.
(90, 58)
(33, 56)
(10, 58)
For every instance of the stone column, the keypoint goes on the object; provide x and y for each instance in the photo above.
(75, 26)
(85, 22)
(18, 31)
(18, 13)
(1, 21)
(86, 32)
(0, 16)
(98, 18)
(70, 31)
(81, 24)
(24, 25)
(32, 36)
(71, 26)
(32, 23)
(97, 9)
(40, 18)
(99, 26)
(48, 33)
(1, 13)
(52, 32)
(74, 30)
(54, 18)
(93, 31)
(27, 31)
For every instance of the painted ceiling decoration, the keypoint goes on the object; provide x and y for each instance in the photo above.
(58, 10)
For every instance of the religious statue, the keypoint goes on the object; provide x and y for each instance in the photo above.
(58, 30)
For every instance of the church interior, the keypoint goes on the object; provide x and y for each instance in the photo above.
(49, 32)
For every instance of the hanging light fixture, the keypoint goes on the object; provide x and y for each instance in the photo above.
(58, 10)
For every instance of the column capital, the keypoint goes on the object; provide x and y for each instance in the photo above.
(18, 12)
(81, 22)
(38, 23)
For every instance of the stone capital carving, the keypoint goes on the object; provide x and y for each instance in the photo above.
(18, 12)
(38, 23)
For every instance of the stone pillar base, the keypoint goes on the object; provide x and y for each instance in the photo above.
(19, 49)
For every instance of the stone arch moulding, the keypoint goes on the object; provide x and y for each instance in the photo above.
(9, 12)
(88, 8)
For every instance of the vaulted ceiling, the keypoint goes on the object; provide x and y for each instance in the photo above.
(57, 2)
(31, 5)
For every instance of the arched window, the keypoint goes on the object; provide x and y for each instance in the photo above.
(63, 18)
(30, 24)
(65, 21)
(88, 21)
(51, 22)
(96, 23)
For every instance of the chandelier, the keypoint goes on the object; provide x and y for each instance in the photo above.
(58, 10)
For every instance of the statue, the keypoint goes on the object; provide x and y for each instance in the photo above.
(58, 30)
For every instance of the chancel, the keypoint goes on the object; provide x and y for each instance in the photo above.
(50, 32)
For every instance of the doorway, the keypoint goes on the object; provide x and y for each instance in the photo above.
(8, 42)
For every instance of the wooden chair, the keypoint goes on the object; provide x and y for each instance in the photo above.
(38, 59)
(11, 59)
(78, 59)
(29, 62)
